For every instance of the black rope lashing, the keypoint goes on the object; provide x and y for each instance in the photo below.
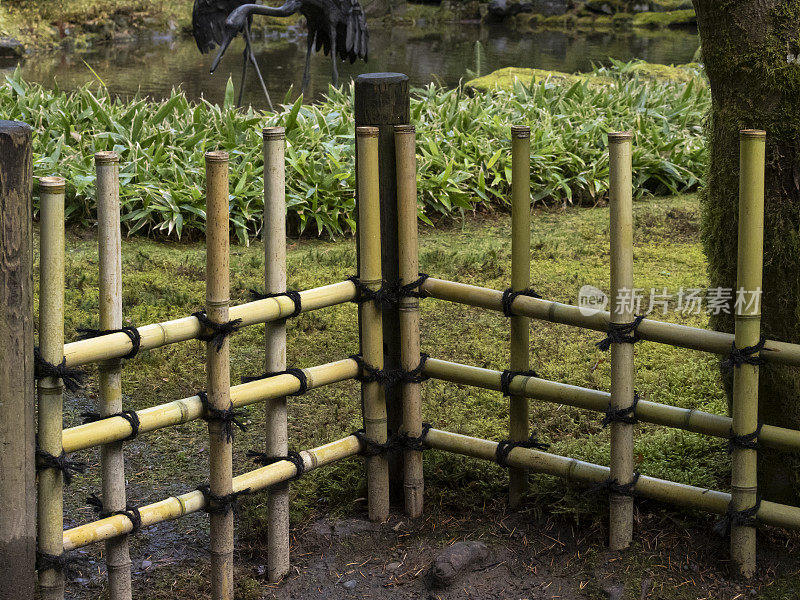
(131, 332)
(220, 505)
(295, 372)
(294, 457)
(613, 486)
(748, 441)
(508, 376)
(621, 415)
(218, 331)
(62, 462)
(383, 295)
(744, 356)
(132, 512)
(621, 333)
(416, 443)
(227, 416)
(73, 378)
(129, 415)
(417, 374)
(372, 448)
(61, 562)
(504, 447)
(370, 373)
(737, 518)
(291, 294)
(510, 295)
(411, 290)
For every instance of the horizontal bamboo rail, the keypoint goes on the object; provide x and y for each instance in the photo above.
(117, 345)
(190, 502)
(688, 419)
(682, 336)
(180, 411)
(688, 496)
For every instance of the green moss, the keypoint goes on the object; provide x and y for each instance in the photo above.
(667, 5)
(505, 78)
(658, 20)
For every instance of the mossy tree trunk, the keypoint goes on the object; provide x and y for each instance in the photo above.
(749, 50)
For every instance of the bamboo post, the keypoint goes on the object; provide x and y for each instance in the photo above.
(408, 307)
(622, 371)
(744, 476)
(17, 402)
(369, 271)
(218, 370)
(274, 234)
(112, 458)
(51, 347)
(520, 280)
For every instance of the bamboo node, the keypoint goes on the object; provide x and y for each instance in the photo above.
(619, 136)
(753, 133)
(520, 132)
(53, 185)
(621, 333)
(405, 129)
(217, 156)
(273, 133)
(105, 157)
(506, 377)
(367, 131)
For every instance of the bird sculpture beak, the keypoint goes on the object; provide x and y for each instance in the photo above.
(222, 49)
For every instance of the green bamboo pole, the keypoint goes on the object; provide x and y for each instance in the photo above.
(681, 336)
(51, 347)
(112, 458)
(274, 234)
(744, 477)
(218, 370)
(369, 232)
(687, 419)
(520, 280)
(622, 369)
(408, 307)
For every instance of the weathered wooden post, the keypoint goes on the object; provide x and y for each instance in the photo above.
(382, 100)
(17, 475)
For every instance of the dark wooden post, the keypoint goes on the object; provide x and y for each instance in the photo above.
(17, 474)
(382, 101)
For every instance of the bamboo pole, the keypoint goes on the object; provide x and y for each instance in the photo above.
(188, 409)
(408, 307)
(678, 494)
(117, 345)
(369, 271)
(274, 234)
(681, 336)
(687, 419)
(744, 476)
(218, 370)
(520, 280)
(622, 369)
(112, 458)
(191, 502)
(51, 347)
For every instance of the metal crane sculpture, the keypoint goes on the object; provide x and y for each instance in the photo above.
(209, 30)
(338, 27)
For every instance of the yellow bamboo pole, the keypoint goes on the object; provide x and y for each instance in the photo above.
(218, 371)
(117, 345)
(687, 419)
(408, 307)
(744, 476)
(369, 232)
(191, 502)
(274, 234)
(622, 369)
(112, 459)
(681, 336)
(520, 280)
(51, 348)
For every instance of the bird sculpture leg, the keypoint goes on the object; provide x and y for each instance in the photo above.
(246, 58)
(334, 71)
(252, 58)
(307, 72)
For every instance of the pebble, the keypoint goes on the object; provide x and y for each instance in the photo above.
(349, 585)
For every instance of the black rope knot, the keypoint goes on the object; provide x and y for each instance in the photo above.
(417, 374)
(73, 378)
(411, 290)
(383, 295)
(294, 457)
(613, 486)
(61, 562)
(132, 512)
(621, 333)
(129, 415)
(293, 295)
(131, 332)
(737, 518)
(298, 373)
(220, 505)
(227, 416)
(504, 448)
(62, 462)
(508, 376)
(370, 373)
(621, 415)
(215, 332)
(370, 447)
(510, 295)
(417, 443)
(744, 356)
(748, 441)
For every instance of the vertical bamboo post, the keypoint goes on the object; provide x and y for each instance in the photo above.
(520, 280)
(17, 391)
(112, 458)
(51, 347)
(744, 477)
(218, 370)
(371, 327)
(621, 203)
(274, 234)
(408, 306)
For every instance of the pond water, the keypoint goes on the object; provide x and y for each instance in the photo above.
(155, 64)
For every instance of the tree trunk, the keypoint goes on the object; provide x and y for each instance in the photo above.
(750, 50)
